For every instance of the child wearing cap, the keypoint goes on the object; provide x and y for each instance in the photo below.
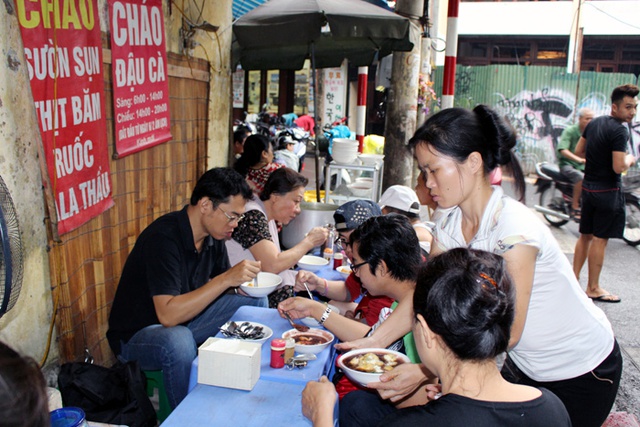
(343, 294)
(404, 201)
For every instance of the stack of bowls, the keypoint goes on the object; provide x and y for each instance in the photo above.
(344, 151)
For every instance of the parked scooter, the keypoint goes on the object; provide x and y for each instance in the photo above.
(556, 196)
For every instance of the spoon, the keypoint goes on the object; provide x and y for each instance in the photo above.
(300, 328)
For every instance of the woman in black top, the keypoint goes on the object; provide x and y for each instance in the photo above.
(464, 307)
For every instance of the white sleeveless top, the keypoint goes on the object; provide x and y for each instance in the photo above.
(237, 253)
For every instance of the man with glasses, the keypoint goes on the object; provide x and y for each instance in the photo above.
(177, 288)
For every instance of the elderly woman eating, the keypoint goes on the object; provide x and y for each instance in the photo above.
(256, 237)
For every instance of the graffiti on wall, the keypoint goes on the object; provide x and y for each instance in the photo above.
(539, 118)
(465, 79)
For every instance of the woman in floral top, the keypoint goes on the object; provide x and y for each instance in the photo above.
(256, 237)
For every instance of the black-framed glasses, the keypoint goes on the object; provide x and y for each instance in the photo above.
(341, 241)
(231, 218)
(356, 267)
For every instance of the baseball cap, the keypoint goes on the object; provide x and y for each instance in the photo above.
(400, 197)
(353, 213)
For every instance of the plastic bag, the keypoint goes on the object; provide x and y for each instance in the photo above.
(115, 395)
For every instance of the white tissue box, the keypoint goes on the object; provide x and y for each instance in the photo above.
(229, 363)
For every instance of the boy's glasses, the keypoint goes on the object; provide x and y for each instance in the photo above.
(356, 267)
(341, 242)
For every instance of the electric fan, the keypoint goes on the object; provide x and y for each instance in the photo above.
(11, 263)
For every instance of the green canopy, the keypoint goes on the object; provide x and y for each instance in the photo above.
(279, 34)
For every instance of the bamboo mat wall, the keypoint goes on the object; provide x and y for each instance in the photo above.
(86, 263)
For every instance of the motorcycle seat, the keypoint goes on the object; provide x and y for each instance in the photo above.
(553, 171)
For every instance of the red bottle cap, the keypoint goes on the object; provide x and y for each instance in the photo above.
(278, 344)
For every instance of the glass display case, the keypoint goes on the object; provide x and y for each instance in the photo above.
(353, 181)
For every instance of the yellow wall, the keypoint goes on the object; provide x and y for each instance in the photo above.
(216, 49)
(25, 327)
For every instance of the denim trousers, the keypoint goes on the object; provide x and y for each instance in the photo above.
(173, 349)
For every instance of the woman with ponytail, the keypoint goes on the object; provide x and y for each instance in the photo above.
(256, 162)
(559, 339)
(463, 307)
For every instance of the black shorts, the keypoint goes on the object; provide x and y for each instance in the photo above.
(603, 213)
(588, 398)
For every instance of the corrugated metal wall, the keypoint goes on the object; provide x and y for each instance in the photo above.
(540, 102)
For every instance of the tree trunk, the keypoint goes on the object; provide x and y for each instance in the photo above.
(402, 104)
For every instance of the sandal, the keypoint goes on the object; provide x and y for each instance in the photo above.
(575, 214)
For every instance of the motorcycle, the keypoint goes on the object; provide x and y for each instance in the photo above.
(556, 196)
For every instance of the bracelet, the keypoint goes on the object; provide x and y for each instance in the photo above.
(325, 316)
(326, 288)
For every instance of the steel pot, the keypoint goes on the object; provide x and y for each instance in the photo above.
(311, 215)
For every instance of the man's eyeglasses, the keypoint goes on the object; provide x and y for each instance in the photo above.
(356, 267)
(231, 218)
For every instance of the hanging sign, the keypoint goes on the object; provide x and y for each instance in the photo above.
(63, 50)
(139, 68)
(334, 82)
(238, 88)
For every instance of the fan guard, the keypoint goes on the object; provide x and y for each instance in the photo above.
(11, 261)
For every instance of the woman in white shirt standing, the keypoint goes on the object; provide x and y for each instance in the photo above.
(559, 339)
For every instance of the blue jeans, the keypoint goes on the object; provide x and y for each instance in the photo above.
(172, 350)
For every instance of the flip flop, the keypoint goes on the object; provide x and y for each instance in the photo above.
(606, 298)
(575, 214)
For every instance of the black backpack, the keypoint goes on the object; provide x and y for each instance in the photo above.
(115, 395)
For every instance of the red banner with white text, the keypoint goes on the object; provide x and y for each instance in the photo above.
(139, 68)
(63, 50)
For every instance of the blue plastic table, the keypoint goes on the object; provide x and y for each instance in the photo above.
(268, 404)
(275, 399)
(270, 317)
(329, 273)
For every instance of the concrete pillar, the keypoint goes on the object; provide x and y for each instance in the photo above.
(573, 38)
(425, 69)
(402, 103)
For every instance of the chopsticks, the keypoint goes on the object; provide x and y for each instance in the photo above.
(308, 291)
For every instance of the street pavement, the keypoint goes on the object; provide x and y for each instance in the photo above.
(620, 276)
